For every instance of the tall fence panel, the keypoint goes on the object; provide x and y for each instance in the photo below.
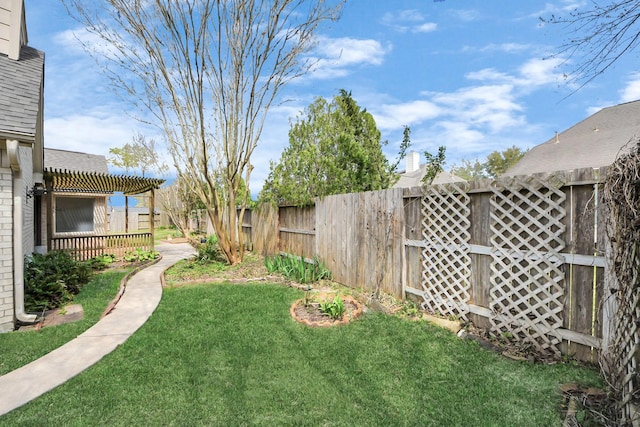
(527, 276)
(264, 229)
(358, 236)
(138, 221)
(297, 230)
(536, 268)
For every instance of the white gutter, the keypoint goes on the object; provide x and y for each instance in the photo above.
(18, 256)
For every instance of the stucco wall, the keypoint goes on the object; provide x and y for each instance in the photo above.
(6, 245)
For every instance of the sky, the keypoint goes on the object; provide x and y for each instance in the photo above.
(474, 76)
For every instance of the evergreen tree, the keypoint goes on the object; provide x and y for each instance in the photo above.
(334, 148)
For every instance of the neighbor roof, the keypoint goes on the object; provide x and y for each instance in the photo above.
(594, 142)
(414, 179)
(74, 161)
(20, 86)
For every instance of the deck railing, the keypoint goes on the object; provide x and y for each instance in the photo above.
(86, 247)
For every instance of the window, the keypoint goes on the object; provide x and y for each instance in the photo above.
(74, 214)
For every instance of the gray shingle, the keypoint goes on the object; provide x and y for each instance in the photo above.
(414, 179)
(594, 142)
(74, 161)
(20, 86)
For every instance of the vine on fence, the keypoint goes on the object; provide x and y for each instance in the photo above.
(622, 196)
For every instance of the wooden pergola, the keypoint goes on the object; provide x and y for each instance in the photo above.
(65, 181)
(92, 182)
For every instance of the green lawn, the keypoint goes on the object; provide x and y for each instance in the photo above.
(230, 355)
(19, 348)
(164, 232)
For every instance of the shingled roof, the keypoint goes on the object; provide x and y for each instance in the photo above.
(594, 142)
(20, 85)
(74, 161)
(414, 179)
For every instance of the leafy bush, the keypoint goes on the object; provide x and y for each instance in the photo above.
(297, 269)
(140, 254)
(101, 261)
(209, 251)
(51, 280)
(334, 309)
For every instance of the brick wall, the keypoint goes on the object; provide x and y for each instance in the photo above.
(6, 245)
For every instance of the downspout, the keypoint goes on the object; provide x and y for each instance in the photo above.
(18, 256)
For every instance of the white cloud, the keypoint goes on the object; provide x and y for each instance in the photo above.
(531, 74)
(499, 47)
(94, 133)
(559, 7)
(492, 108)
(466, 15)
(631, 91)
(76, 40)
(394, 116)
(406, 15)
(489, 74)
(337, 57)
(540, 72)
(427, 27)
(460, 139)
(409, 20)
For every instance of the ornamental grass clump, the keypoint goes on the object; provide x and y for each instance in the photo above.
(297, 268)
(333, 308)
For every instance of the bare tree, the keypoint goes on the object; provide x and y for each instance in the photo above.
(178, 202)
(207, 71)
(600, 36)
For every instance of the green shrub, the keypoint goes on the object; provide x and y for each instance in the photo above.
(140, 254)
(209, 251)
(101, 261)
(297, 269)
(51, 280)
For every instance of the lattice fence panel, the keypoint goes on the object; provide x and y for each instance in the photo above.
(526, 272)
(627, 346)
(446, 265)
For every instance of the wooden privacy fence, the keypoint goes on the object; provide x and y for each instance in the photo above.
(83, 248)
(138, 220)
(519, 256)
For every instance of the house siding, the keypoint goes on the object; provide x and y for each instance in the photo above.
(100, 215)
(6, 245)
(13, 32)
(5, 25)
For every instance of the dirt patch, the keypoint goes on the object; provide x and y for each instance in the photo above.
(310, 314)
(251, 270)
(59, 316)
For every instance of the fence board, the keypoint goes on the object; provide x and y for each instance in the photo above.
(264, 230)
(412, 233)
(580, 311)
(83, 248)
(293, 218)
(357, 237)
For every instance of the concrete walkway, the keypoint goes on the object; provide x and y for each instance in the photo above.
(142, 295)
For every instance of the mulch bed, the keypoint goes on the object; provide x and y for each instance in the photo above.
(311, 315)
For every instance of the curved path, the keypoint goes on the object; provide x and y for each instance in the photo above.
(142, 295)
